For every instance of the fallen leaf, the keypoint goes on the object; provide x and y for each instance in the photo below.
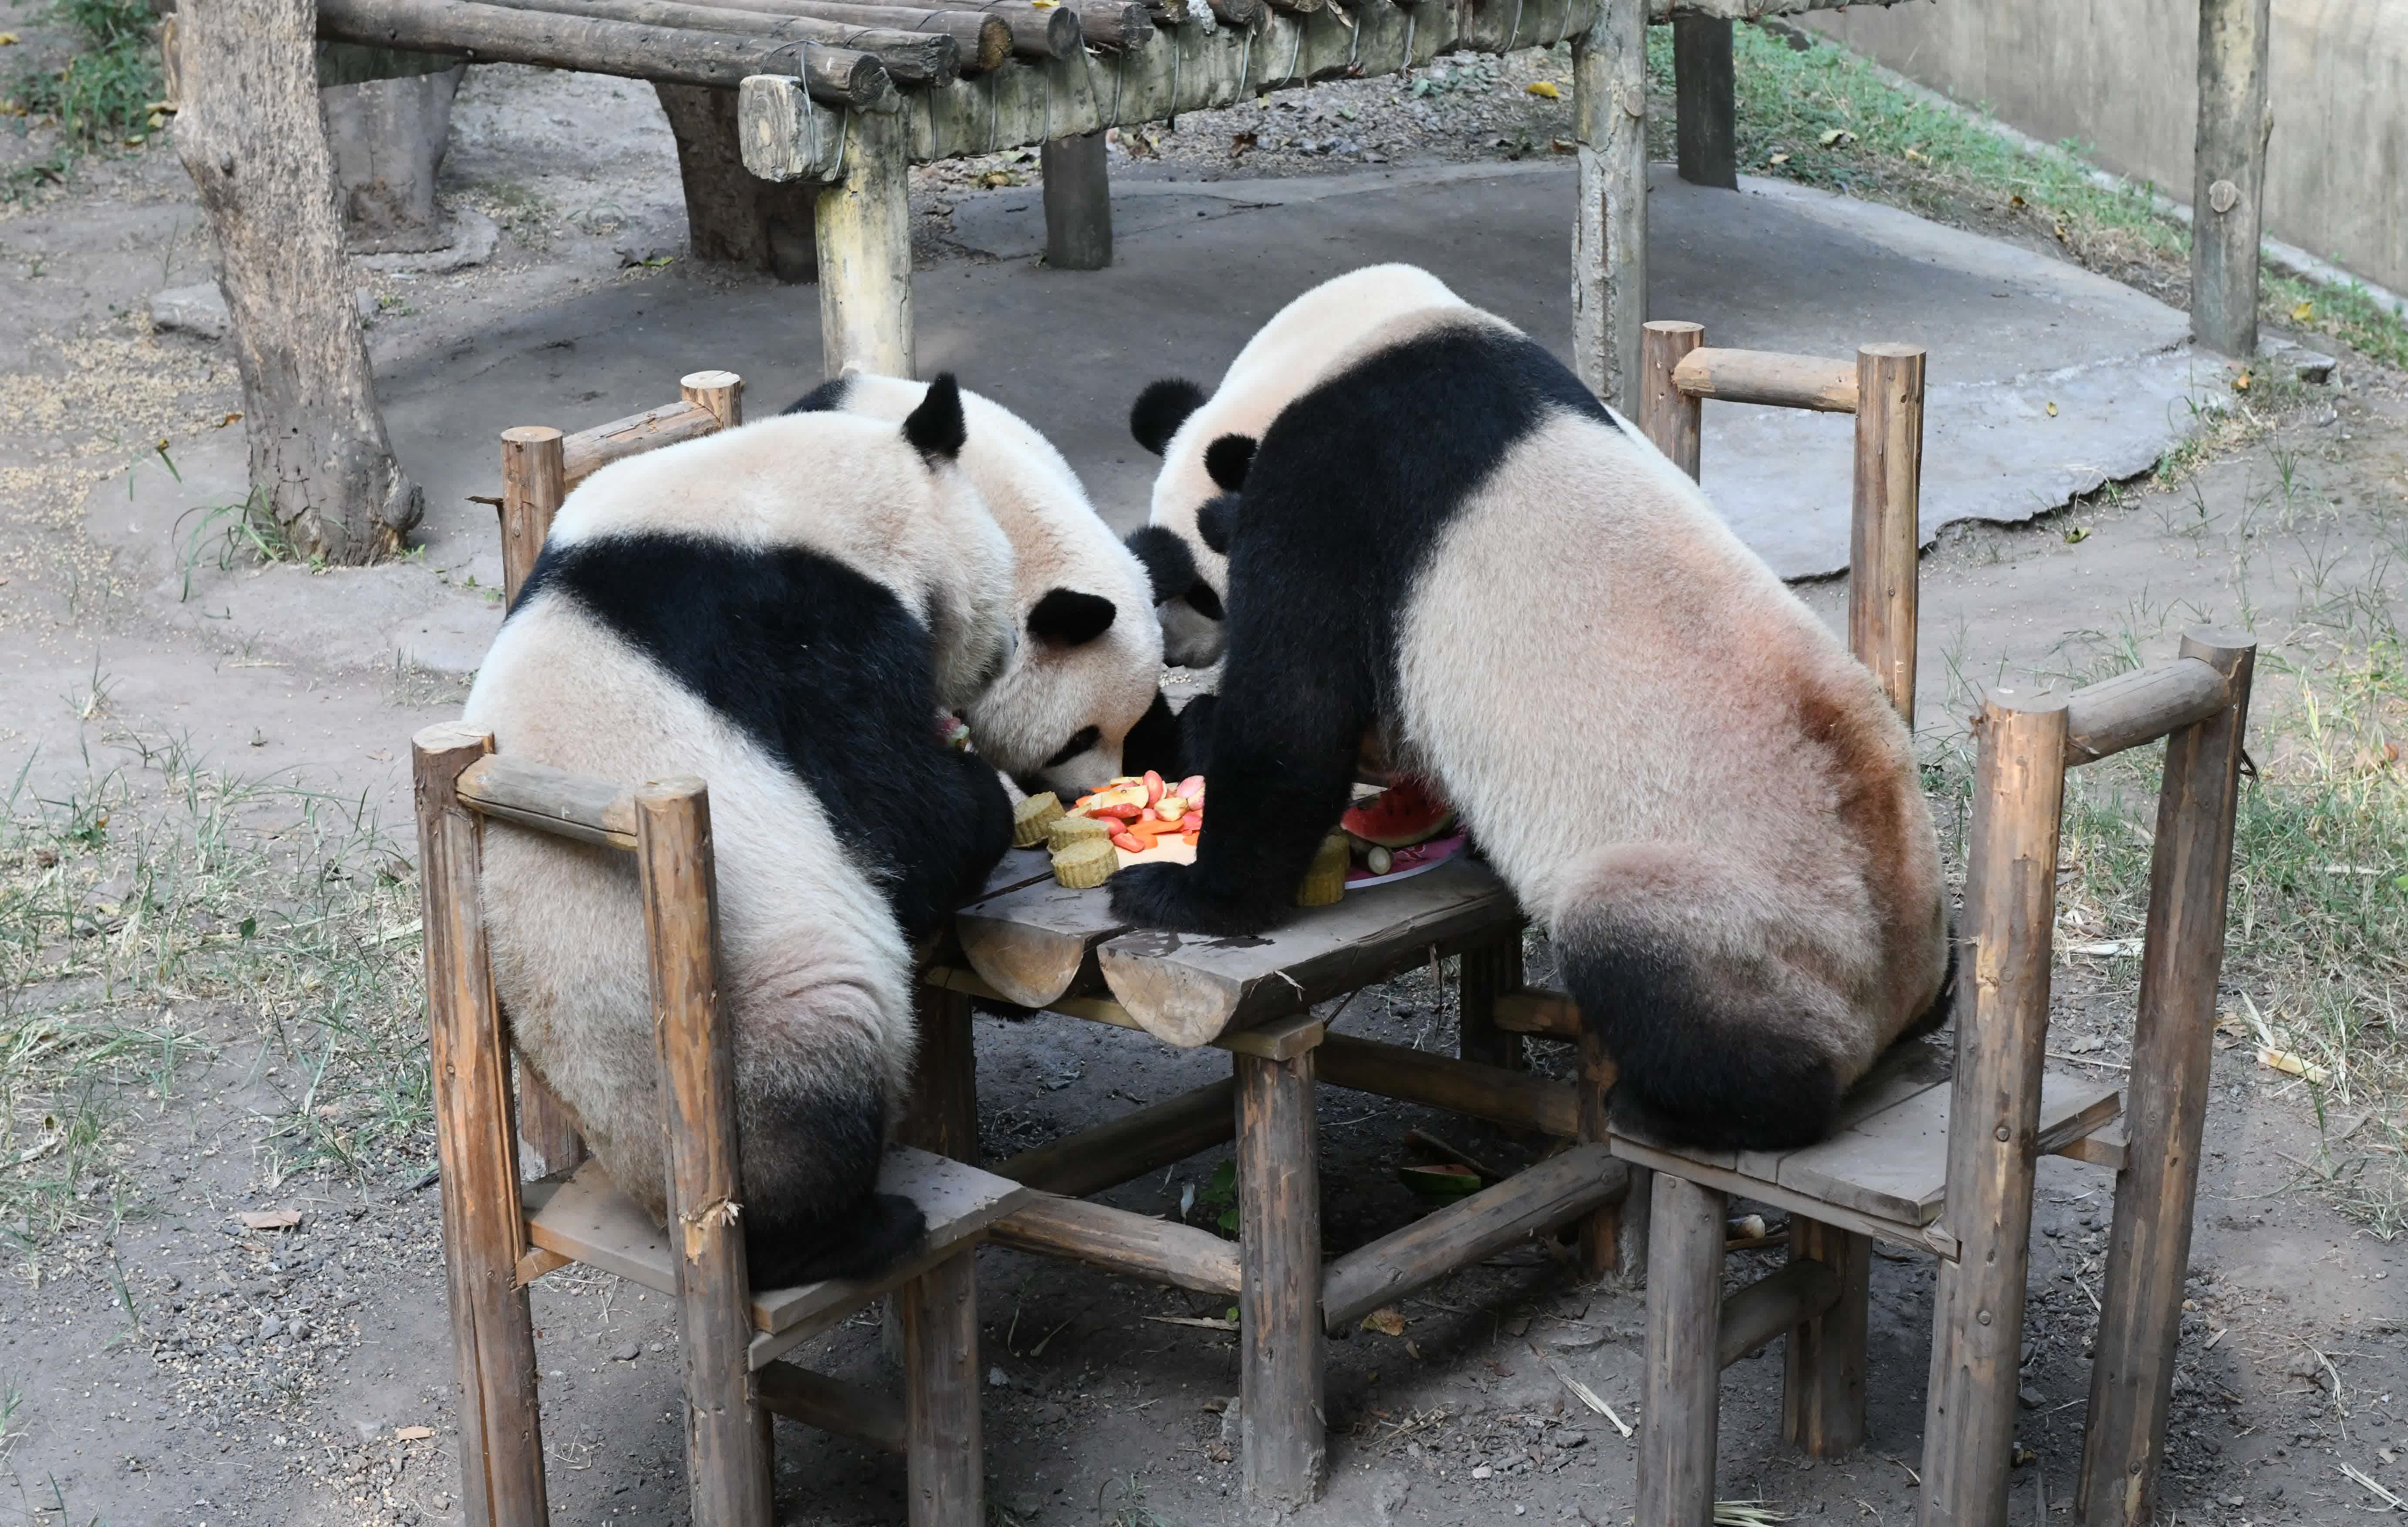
(2240, 383)
(1778, 159)
(2302, 312)
(2015, 200)
(1201, 1322)
(230, 418)
(2110, 948)
(413, 1434)
(1564, 145)
(1387, 1321)
(2076, 534)
(1544, 87)
(1413, 1351)
(273, 1220)
(7, 39)
(2052, 410)
(1836, 137)
(1240, 142)
(2289, 1065)
(1917, 156)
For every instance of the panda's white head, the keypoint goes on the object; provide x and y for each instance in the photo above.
(895, 505)
(1080, 700)
(1206, 442)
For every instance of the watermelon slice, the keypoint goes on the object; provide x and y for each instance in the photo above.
(1407, 812)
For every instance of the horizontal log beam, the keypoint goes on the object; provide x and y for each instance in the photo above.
(1115, 24)
(786, 137)
(1130, 1147)
(850, 1410)
(913, 58)
(1484, 1091)
(491, 34)
(1117, 1240)
(2130, 710)
(1771, 1304)
(1769, 378)
(1549, 1015)
(550, 800)
(1054, 32)
(587, 451)
(1557, 1189)
(984, 39)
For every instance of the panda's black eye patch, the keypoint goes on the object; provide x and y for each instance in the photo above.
(1217, 521)
(1169, 566)
(1204, 602)
(1226, 461)
(1070, 617)
(1081, 740)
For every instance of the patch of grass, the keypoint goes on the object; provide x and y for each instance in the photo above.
(157, 914)
(231, 534)
(106, 91)
(1825, 116)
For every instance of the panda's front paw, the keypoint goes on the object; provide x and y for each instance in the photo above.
(1178, 898)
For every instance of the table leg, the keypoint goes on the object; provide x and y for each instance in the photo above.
(1680, 1415)
(1282, 1424)
(941, 1114)
(944, 1453)
(1823, 1381)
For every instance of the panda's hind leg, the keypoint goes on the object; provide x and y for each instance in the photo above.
(1722, 1041)
(813, 1140)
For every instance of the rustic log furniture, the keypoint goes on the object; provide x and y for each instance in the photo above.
(1895, 1170)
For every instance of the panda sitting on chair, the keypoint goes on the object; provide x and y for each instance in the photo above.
(1681, 773)
(781, 610)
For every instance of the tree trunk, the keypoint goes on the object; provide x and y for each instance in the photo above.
(731, 215)
(250, 136)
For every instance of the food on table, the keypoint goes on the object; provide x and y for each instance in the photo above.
(1325, 881)
(1085, 862)
(1409, 811)
(1063, 831)
(1032, 817)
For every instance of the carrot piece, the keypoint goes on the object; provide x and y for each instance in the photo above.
(1189, 838)
(1129, 843)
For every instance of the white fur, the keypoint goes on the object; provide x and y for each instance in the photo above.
(1285, 359)
(1049, 691)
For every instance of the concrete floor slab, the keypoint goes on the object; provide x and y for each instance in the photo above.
(1202, 263)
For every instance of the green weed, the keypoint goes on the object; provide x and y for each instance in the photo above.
(106, 93)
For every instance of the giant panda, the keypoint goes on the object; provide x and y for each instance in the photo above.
(1175, 420)
(781, 610)
(1081, 701)
(1681, 773)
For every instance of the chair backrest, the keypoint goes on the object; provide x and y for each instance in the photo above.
(540, 465)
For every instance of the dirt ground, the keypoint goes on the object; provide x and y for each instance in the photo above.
(209, 1000)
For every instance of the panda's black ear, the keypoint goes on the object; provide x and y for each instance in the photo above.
(935, 425)
(826, 398)
(1169, 566)
(1227, 461)
(1161, 408)
(1070, 617)
(1217, 521)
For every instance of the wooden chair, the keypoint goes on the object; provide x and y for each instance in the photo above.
(501, 1236)
(1896, 1170)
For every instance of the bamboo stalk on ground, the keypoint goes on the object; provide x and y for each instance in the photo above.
(918, 58)
(490, 34)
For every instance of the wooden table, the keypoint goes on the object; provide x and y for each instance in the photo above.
(1032, 942)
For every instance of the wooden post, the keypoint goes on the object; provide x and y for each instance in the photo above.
(1706, 97)
(731, 216)
(1603, 1238)
(727, 1472)
(2229, 174)
(2165, 1104)
(1886, 532)
(941, 1115)
(1994, 1109)
(501, 1440)
(1483, 975)
(1280, 1421)
(250, 137)
(1680, 1415)
(1668, 416)
(534, 478)
(1823, 1378)
(1610, 221)
(1077, 201)
(945, 1451)
(865, 244)
(719, 393)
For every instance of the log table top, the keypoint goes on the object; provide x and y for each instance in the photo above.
(1040, 944)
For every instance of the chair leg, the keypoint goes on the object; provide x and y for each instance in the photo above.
(1487, 973)
(1613, 1239)
(1684, 1305)
(945, 1451)
(1282, 1427)
(1823, 1384)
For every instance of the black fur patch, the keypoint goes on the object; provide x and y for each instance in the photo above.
(1070, 617)
(1694, 1071)
(1170, 565)
(1161, 408)
(826, 398)
(1937, 1014)
(826, 670)
(1152, 743)
(1204, 602)
(1216, 522)
(1344, 504)
(1226, 461)
(1081, 740)
(811, 1208)
(934, 428)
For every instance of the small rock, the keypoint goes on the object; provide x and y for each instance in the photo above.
(1050, 1414)
(627, 1354)
(1229, 1420)
(2309, 366)
(270, 1326)
(2029, 1398)
(1482, 1472)
(997, 1378)
(197, 310)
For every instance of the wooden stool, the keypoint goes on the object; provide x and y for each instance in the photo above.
(499, 1236)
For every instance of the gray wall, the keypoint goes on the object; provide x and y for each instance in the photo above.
(2121, 76)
